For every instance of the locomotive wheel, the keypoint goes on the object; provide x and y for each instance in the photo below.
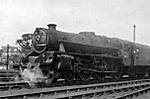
(51, 75)
(69, 76)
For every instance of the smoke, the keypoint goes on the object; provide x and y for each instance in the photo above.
(33, 76)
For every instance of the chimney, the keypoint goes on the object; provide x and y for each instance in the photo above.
(52, 26)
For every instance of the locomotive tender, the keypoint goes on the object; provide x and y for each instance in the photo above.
(85, 56)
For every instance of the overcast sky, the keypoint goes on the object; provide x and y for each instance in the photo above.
(112, 18)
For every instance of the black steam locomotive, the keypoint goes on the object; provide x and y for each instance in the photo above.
(84, 56)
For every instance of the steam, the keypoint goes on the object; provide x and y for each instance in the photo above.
(33, 74)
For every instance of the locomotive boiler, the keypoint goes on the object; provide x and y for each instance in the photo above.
(84, 56)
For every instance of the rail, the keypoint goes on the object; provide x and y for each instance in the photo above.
(77, 91)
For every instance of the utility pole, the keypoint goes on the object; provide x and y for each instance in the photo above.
(7, 56)
(134, 59)
(134, 26)
(132, 53)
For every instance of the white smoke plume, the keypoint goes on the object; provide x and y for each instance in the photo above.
(33, 74)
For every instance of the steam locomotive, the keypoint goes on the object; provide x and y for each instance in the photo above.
(83, 56)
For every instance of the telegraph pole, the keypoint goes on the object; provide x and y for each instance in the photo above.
(134, 26)
(132, 52)
(7, 56)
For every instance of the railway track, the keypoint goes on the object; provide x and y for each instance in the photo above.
(9, 85)
(134, 94)
(7, 75)
(13, 85)
(113, 90)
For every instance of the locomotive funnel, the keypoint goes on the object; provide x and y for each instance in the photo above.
(52, 26)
